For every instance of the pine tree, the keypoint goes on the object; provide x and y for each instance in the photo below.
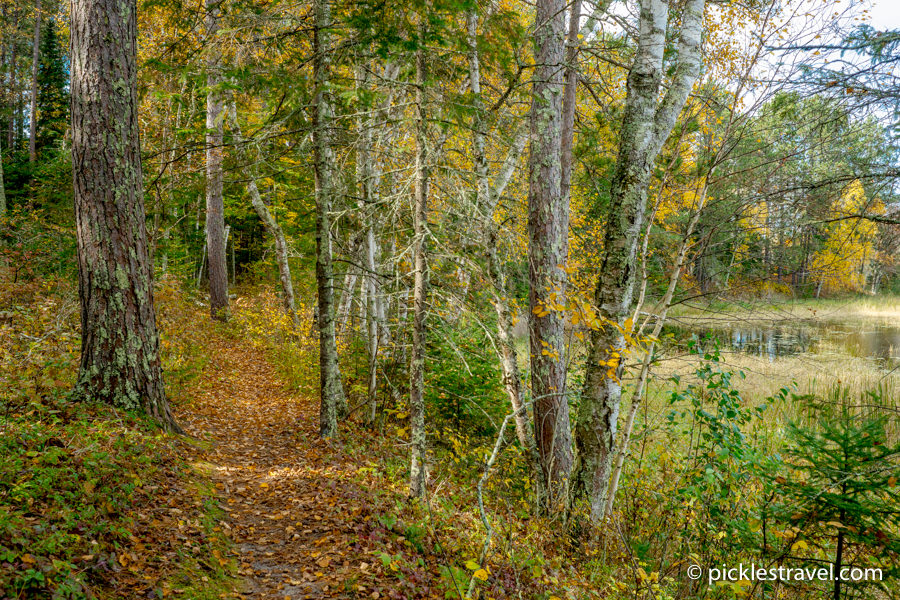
(53, 95)
(841, 493)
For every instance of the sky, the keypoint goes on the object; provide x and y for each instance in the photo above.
(885, 14)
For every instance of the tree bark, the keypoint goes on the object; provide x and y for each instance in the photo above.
(331, 390)
(548, 231)
(645, 128)
(35, 63)
(638, 395)
(11, 138)
(420, 284)
(120, 361)
(215, 210)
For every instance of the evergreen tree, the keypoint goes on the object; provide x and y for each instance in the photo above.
(840, 496)
(53, 89)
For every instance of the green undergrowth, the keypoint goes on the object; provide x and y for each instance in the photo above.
(86, 491)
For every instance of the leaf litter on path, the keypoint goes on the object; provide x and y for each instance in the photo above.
(296, 516)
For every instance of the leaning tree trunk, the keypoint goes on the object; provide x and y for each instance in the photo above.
(35, 63)
(270, 224)
(215, 210)
(120, 361)
(646, 125)
(548, 232)
(666, 303)
(331, 391)
(486, 198)
(420, 285)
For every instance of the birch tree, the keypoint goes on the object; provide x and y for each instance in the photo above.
(420, 282)
(120, 361)
(487, 196)
(646, 125)
(331, 390)
(35, 64)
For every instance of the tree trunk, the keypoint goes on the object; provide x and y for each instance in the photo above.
(120, 361)
(569, 104)
(35, 62)
(548, 231)
(215, 210)
(646, 125)
(2, 187)
(331, 390)
(367, 183)
(420, 284)
(4, 67)
(486, 203)
(638, 396)
(345, 304)
(271, 225)
(13, 91)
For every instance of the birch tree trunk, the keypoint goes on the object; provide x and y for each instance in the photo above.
(345, 304)
(120, 361)
(35, 63)
(367, 183)
(331, 390)
(215, 210)
(420, 283)
(271, 225)
(646, 125)
(638, 396)
(13, 91)
(548, 231)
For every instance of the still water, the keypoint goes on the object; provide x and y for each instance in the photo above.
(876, 341)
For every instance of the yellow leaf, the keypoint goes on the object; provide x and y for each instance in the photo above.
(799, 545)
(472, 565)
(480, 574)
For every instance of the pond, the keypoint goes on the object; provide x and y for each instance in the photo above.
(877, 341)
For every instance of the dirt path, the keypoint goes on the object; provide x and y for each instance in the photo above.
(292, 509)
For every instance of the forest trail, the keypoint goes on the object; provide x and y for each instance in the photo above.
(292, 509)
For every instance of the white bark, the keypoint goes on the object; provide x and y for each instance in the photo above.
(36, 61)
(662, 314)
(333, 402)
(646, 126)
(417, 477)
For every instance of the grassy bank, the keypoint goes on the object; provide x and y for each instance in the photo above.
(722, 314)
(95, 503)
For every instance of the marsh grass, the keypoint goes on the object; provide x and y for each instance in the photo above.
(885, 309)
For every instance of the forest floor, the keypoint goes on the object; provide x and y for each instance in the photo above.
(293, 508)
(251, 503)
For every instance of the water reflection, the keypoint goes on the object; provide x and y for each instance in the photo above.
(860, 339)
